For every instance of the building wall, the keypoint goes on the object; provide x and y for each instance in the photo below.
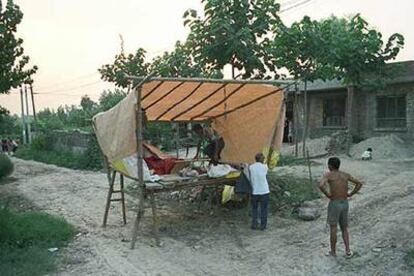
(364, 112)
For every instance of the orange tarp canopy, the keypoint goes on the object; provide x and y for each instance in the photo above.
(244, 113)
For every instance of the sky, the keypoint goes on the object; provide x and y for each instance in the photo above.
(70, 40)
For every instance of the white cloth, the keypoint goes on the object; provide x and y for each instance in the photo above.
(219, 170)
(366, 154)
(258, 172)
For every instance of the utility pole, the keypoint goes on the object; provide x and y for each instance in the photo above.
(29, 133)
(33, 103)
(23, 117)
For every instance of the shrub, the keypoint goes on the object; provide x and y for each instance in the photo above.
(6, 166)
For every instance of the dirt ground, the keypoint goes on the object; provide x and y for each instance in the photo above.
(220, 242)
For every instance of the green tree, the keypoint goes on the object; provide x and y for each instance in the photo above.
(357, 52)
(109, 99)
(131, 64)
(13, 62)
(299, 48)
(9, 125)
(233, 32)
(180, 63)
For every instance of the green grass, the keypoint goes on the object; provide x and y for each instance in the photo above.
(88, 161)
(25, 239)
(409, 258)
(289, 191)
(289, 160)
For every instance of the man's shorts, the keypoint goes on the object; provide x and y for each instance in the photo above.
(338, 213)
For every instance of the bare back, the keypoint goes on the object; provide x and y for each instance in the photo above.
(338, 184)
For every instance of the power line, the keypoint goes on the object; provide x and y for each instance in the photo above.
(295, 6)
(67, 81)
(69, 89)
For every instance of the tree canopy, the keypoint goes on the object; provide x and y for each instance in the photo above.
(233, 32)
(14, 68)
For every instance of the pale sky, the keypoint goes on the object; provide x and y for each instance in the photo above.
(70, 39)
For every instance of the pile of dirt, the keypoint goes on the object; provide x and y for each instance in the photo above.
(383, 147)
(316, 147)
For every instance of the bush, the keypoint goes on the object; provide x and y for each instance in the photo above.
(291, 191)
(25, 238)
(6, 166)
(92, 158)
(289, 160)
(409, 258)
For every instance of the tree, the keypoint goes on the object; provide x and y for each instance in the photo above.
(13, 62)
(8, 124)
(357, 52)
(131, 64)
(180, 63)
(233, 32)
(299, 48)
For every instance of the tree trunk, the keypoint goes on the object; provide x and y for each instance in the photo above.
(306, 120)
(296, 118)
(349, 109)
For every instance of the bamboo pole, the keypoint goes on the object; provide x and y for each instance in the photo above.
(306, 120)
(274, 134)
(109, 196)
(140, 157)
(227, 81)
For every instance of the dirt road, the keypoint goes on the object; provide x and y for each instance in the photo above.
(381, 227)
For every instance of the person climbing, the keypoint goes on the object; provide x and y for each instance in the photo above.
(338, 205)
(215, 143)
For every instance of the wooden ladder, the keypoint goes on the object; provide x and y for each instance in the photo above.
(111, 191)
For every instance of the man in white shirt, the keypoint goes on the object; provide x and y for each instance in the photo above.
(260, 191)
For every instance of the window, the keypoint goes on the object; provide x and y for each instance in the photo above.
(334, 111)
(391, 112)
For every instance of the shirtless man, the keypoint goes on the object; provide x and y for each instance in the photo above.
(338, 204)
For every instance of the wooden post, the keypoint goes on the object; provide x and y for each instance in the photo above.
(140, 156)
(350, 100)
(154, 219)
(309, 167)
(23, 116)
(123, 198)
(306, 120)
(296, 118)
(177, 139)
(109, 196)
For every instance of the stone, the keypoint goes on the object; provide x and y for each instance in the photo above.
(308, 214)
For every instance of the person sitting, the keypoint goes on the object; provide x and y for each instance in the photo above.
(367, 155)
(215, 143)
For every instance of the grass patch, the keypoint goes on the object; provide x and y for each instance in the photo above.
(289, 160)
(409, 258)
(87, 161)
(289, 191)
(25, 239)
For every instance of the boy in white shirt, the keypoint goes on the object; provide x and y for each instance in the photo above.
(260, 191)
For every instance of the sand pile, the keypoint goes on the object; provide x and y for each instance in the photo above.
(384, 147)
(315, 146)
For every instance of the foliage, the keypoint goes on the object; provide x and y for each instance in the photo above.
(290, 191)
(25, 238)
(92, 157)
(109, 99)
(300, 48)
(6, 166)
(354, 49)
(131, 64)
(233, 32)
(409, 258)
(13, 69)
(181, 63)
(60, 158)
(289, 160)
(9, 125)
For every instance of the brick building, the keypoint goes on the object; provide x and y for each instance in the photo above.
(375, 113)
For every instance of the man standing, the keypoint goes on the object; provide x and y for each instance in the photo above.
(338, 205)
(260, 191)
